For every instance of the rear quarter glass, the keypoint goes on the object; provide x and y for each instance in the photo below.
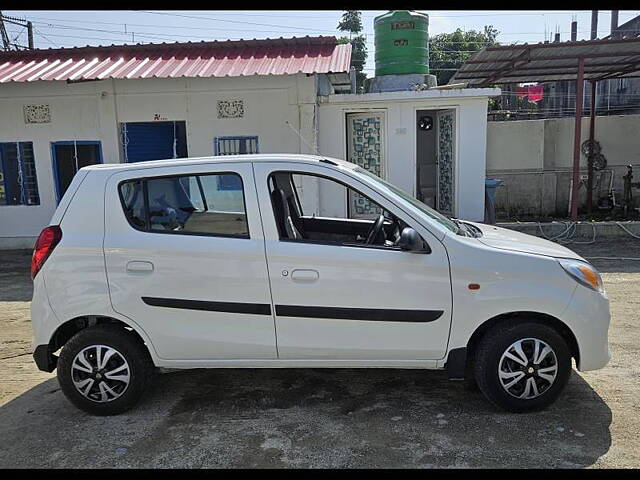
(65, 201)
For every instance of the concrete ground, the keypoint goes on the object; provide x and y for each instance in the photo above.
(324, 418)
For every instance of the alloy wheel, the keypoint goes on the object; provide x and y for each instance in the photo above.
(100, 373)
(527, 368)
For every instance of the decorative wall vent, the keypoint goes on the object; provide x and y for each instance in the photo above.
(230, 108)
(37, 113)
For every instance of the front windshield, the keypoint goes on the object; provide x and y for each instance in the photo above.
(430, 212)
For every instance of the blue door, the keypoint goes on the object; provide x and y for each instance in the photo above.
(143, 141)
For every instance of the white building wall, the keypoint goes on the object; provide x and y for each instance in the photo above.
(471, 161)
(530, 144)
(514, 143)
(94, 110)
(535, 160)
(400, 152)
(73, 116)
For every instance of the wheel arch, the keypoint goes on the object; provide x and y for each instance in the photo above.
(63, 333)
(558, 325)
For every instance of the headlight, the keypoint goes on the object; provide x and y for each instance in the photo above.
(583, 273)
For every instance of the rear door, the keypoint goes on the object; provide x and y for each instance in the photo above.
(185, 260)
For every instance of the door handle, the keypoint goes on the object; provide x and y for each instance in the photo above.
(139, 267)
(305, 275)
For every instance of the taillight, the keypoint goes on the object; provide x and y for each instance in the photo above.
(47, 240)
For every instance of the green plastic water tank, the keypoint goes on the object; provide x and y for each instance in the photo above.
(402, 43)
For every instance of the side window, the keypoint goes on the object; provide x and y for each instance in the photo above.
(18, 181)
(326, 216)
(170, 205)
(132, 194)
(333, 199)
(188, 204)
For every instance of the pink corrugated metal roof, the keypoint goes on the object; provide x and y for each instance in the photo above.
(204, 59)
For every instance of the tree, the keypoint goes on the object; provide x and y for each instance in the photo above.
(351, 22)
(448, 51)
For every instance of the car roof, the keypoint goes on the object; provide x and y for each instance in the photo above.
(252, 158)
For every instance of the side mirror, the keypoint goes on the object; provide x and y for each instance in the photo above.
(411, 241)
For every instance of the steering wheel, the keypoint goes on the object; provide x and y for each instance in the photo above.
(375, 230)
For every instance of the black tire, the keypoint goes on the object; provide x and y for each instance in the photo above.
(470, 384)
(141, 367)
(490, 350)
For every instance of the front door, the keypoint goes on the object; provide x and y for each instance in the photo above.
(185, 260)
(335, 296)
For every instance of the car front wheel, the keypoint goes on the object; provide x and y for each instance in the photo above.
(522, 367)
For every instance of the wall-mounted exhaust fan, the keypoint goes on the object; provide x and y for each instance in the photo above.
(425, 123)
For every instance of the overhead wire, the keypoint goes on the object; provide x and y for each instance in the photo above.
(59, 24)
(226, 20)
(38, 32)
(201, 17)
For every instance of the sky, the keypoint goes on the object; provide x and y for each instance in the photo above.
(58, 28)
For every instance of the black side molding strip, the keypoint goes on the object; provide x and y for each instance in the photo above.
(338, 313)
(229, 307)
(370, 314)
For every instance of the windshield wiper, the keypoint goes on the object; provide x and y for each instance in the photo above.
(477, 232)
(466, 228)
(461, 226)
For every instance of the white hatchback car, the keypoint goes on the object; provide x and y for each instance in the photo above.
(219, 262)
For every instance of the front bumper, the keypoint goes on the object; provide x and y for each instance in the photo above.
(45, 360)
(588, 316)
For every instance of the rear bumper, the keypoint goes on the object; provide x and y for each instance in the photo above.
(45, 360)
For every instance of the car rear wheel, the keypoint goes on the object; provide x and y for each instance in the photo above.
(104, 370)
(522, 367)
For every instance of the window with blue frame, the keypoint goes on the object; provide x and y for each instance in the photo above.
(18, 180)
(143, 141)
(69, 157)
(238, 145)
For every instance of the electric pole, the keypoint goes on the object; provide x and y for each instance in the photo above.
(614, 24)
(30, 34)
(594, 24)
(6, 42)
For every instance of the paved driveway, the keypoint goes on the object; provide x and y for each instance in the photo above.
(323, 418)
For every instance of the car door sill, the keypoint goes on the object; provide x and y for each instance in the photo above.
(298, 363)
